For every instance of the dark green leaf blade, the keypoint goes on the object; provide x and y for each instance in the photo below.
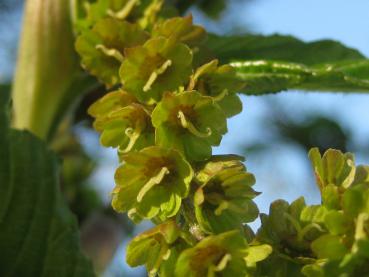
(279, 48)
(38, 234)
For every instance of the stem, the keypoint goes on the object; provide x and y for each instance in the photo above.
(191, 221)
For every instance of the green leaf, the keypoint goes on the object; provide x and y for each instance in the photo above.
(315, 213)
(279, 48)
(336, 222)
(270, 64)
(331, 197)
(38, 234)
(313, 270)
(334, 168)
(355, 200)
(257, 253)
(330, 247)
(264, 76)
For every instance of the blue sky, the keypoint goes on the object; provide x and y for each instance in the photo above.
(346, 21)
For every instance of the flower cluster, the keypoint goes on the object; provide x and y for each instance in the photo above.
(330, 239)
(164, 115)
(164, 111)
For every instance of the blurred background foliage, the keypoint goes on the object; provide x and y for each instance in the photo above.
(274, 133)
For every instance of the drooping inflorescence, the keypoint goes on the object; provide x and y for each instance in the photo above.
(166, 107)
(164, 115)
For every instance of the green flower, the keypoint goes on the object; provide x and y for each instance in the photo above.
(122, 122)
(219, 83)
(330, 239)
(290, 230)
(189, 122)
(152, 182)
(224, 255)
(102, 47)
(334, 168)
(111, 102)
(223, 200)
(130, 10)
(156, 248)
(293, 227)
(180, 29)
(158, 66)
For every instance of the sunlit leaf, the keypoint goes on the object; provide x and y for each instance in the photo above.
(265, 76)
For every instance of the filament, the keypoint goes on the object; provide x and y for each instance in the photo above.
(152, 182)
(156, 74)
(111, 52)
(133, 135)
(190, 127)
(125, 11)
